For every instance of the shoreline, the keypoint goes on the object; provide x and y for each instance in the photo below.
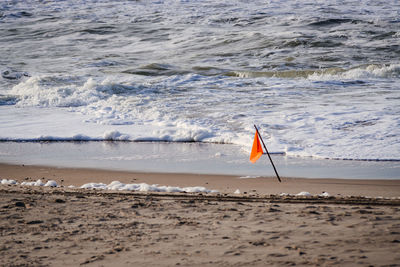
(227, 184)
(198, 158)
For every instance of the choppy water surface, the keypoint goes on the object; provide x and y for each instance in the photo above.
(320, 78)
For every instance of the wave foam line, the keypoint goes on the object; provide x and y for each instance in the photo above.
(367, 71)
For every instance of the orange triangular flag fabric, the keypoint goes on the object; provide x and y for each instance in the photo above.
(256, 151)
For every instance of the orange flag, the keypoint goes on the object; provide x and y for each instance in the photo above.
(256, 151)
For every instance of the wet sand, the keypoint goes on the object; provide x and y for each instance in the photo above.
(43, 226)
(222, 183)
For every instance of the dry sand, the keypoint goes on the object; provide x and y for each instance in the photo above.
(60, 226)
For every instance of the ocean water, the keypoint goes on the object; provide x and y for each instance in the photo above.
(320, 79)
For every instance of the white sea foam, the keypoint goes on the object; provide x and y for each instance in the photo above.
(358, 73)
(143, 187)
(116, 185)
(249, 177)
(51, 183)
(324, 194)
(304, 194)
(37, 183)
(7, 181)
(329, 131)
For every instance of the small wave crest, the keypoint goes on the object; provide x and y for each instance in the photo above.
(359, 72)
(57, 92)
(288, 74)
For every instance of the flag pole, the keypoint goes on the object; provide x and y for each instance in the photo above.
(269, 156)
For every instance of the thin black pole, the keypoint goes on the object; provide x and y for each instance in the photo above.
(269, 156)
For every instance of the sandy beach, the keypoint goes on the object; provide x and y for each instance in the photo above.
(42, 226)
(154, 133)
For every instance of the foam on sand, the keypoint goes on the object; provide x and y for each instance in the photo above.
(116, 185)
(143, 187)
(6, 181)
